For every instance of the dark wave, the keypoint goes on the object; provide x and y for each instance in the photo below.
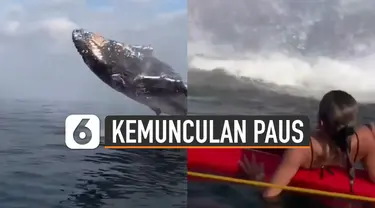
(217, 92)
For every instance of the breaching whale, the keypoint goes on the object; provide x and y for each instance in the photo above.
(133, 71)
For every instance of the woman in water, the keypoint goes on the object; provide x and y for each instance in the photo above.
(337, 141)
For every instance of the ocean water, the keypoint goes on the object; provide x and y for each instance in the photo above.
(38, 170)
(275, 57)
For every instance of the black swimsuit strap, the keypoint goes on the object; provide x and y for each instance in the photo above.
(357, 150)
(312, 154)
(351, 169)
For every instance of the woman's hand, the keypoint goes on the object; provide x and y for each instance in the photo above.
(253, 170)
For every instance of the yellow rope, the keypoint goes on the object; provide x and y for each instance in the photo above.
(287, 188)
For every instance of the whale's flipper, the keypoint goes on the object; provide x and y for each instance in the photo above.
(157, 111)
(117, 82)
(162, 84)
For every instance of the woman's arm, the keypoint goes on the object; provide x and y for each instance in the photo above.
(292, 161)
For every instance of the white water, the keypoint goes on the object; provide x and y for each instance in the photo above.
(309, 77)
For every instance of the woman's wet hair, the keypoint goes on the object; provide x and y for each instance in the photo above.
(338, 115)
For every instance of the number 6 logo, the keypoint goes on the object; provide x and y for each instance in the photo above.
(82, 132)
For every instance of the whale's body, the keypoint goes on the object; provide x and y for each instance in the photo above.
(133, 71)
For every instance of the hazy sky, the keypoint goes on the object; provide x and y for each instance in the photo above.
(38, 59)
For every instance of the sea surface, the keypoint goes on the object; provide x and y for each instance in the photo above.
(216, 92)
(38, 170)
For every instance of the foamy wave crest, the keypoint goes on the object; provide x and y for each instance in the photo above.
(312, 77)
(269, 49)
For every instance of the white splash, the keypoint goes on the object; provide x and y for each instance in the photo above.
(311, 77)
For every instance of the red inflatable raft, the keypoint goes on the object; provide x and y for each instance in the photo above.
(225, 162)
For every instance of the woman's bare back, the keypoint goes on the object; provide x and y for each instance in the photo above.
(323, 153)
